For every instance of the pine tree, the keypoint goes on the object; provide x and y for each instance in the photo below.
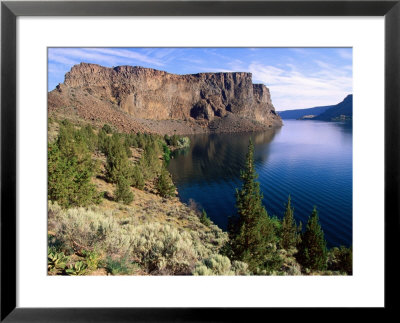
(164, 184)
(289, 236)
(253, 233)
(123, 192)
(312, 248)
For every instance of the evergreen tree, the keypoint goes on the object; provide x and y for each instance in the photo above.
(137, 177)
(117, 163)
(312, 252)
(341, 259)
(150, 163)
(204, 218)
(289, 236)
(123, 192)
(253, 232)
(103, 142)
(164, 184)
(70, 169)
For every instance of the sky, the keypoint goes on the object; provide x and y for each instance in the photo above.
(297, 77)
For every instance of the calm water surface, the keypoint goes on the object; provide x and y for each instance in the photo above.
(310, 160)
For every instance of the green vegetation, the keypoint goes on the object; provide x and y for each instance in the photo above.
(71, 168)
(123, 192)
(93, 232)
(341, 259)
(165, 186)
(56, 261)
(253, 234)
(79, 268)
(271, 246)
(312, 248)
(167, 153)
(289, 235)
(204, 218)
(176, 141)
(147, 248)
(220, 265)
(120, 266)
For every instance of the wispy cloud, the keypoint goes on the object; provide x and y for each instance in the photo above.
(109, 56)
(294, 89)
(128, 54)
(297, 77)
(345, 53)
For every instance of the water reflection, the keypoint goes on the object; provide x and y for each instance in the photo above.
(218, 156)
(310, 160)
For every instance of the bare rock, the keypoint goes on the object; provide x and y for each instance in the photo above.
(124, 95)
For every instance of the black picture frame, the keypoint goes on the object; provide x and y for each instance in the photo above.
(10, 10)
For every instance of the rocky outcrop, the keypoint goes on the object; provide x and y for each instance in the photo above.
(136, 93)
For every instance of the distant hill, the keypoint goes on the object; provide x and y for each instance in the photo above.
(340, 111)
(297, 114)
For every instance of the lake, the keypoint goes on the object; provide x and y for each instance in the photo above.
(310, 160)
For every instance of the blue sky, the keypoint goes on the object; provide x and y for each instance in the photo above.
(297, 77)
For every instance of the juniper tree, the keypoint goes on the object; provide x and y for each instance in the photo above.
(312, 252)
(117, 163)
(70, 169)
(123, 192)
(204, 219)
(289, 233)
(164, 185)
(137, 177)
(252, 233)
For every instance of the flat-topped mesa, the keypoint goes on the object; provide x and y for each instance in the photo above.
(146, 93)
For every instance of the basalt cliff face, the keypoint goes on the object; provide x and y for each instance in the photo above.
(145, 99)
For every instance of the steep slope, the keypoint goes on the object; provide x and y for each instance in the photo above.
(299, 113)
(340, 111)
(128, 97)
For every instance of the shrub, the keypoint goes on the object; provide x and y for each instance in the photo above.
(341, 259)
(107, 129)
(82, 229)
(204, 218)
(162, 249)
(167, 153)
(221, 266)
(240, 268)
(183, 142)
(92, 259)
(120, 266)
(156, 248)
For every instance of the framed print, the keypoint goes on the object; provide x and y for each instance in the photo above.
(190, 153)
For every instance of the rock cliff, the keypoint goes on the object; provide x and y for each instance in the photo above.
(145, 99)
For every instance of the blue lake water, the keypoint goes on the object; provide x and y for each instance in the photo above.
(310, 160)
